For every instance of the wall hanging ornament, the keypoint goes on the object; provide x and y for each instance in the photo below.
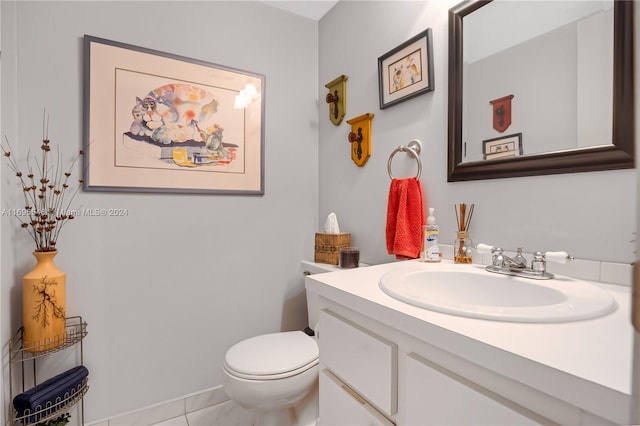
(337, 98)
(43, 304)
(501, 113)
(360, 138)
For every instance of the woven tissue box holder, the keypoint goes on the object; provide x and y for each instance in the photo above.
(327, 249)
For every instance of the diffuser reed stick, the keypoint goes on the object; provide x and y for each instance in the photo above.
(462, 247)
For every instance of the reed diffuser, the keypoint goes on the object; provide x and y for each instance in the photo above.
(462, 247)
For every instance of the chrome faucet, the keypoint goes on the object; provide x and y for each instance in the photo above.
(503, 261)
(517, 266)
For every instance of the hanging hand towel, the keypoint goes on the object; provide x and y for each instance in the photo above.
(405, 218)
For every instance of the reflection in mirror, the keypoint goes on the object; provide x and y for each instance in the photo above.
(539, 88)
(556, 65)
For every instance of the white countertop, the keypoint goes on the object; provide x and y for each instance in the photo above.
(594, 355)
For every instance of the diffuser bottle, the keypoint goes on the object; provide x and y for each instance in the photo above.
(431, 232)
(463, 246)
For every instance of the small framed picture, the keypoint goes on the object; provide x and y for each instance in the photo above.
(503, 146)
(406, 71)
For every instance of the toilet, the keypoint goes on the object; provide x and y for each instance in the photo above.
(275, 376)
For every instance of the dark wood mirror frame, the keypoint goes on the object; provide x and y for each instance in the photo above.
(619, 155)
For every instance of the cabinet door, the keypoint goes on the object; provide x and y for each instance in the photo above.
(365, 361)
(341, 406)
(436, 396)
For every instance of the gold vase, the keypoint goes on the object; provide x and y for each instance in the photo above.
(43, 305)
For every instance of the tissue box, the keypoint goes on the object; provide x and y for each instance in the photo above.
(328, 247)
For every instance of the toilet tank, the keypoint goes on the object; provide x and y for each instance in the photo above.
(310, 268)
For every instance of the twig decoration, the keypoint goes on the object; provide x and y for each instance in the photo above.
(463, 219)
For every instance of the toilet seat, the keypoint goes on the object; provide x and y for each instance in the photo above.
(272, 356)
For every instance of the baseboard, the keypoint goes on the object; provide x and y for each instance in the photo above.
(166, 410)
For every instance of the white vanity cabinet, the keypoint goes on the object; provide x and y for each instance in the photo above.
(437, 396)
(358, 379)
(342, 406)
(360, 376)
(385, 362)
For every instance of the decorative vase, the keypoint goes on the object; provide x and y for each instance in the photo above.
(43, 305)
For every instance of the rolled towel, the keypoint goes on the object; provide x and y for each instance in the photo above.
(49, 392)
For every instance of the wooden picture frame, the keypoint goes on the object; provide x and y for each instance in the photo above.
(158, 122)
(406, 71)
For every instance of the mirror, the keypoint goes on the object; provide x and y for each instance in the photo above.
(573, 113)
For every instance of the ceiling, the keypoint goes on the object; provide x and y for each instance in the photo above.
(312, 9)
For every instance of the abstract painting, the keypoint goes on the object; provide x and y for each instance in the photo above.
(157, 122)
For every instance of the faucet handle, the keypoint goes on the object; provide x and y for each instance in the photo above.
(561, 257)
(485, 248)
(539, 263)
(497, 258)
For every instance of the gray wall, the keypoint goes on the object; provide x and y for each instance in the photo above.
(590, 215)
(163, 303)
(544, 104)
(561, 83)
(162, 309)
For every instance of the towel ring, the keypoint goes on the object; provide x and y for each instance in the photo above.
(413, 149)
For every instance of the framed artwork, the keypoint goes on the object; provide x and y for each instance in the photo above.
(406, 71)
(503, 146)
(157, 122)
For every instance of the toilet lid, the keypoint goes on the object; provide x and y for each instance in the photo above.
(271, 354)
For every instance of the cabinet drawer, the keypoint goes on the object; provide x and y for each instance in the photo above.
(363, 360)
(341, 406)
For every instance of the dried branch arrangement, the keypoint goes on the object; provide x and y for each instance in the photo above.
(47, 191)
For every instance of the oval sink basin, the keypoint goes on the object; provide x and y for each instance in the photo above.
(470, 291)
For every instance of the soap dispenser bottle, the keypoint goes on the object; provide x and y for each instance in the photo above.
(431, 232)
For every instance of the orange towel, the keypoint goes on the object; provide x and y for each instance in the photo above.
(405, 218)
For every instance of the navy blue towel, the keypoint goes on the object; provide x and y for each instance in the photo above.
(49, 392)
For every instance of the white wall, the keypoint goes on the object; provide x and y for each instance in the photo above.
(168, 288)
(590, 215)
